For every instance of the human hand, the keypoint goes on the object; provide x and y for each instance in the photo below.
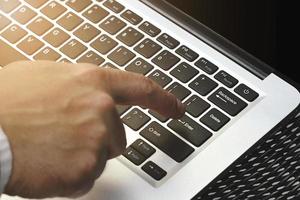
(62, 123)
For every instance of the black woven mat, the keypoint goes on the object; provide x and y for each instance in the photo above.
(269, 170)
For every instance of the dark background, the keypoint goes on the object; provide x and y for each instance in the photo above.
(254, 25)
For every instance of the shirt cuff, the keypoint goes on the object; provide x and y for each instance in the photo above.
(5, 161)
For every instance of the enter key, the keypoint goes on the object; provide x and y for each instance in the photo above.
(190, 130)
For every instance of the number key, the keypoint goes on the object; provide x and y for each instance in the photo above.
(78, 5)
(112, 25)
(36, 3)
(130, 36)
(95, 14)
(165, 60)
(147, 48)
(121, 56)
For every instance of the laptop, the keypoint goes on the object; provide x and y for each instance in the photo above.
(232, 99)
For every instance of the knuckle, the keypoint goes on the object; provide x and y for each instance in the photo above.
(85, 72)
(89, 166)
(104, 102)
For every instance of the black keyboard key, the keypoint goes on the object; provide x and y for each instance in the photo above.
(7, 6)
(73, 48)
(206, 66)
(109, 66)
(158, 116)
(168, 41)
(167, 142)
(130, 36)
(226, 79)
(196, 106)
(121, 56)
(92, 58)
(160, 78)
(104, 44)
(227, 101)
(36, 3)
(154, 170)
(184, 72)
(187, 53)
(114, 6)
(78, 5)
(23, 14)
(135, 119)
(13, 33)
(139, 66)
(165, 60)
(148, 48)
(122, 109)
(86, 32)
(112, 25)
(53, 10)
(203, 85)
(56, 37)
(178, 90)
(64, 60)
(95, 14)
(131, 17)
(143, 147)
(9, 54)
(190, 130)
(4, 21)
(214, 119)
(246, 92)
(134, 156)
(30, 45)
(70, 21)
(47, 54)
(149, 29)
(40, 25)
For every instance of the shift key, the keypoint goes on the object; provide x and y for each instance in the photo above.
(167, 142)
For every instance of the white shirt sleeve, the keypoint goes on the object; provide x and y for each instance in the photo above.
(5, 161)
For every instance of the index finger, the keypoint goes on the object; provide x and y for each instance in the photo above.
(133, 89)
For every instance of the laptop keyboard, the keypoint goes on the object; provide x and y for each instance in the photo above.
(106, 34)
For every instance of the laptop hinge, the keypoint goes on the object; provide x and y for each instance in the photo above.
(221, 44)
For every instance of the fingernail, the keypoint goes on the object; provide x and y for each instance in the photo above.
(181, 107)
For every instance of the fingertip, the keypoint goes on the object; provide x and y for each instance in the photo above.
(181, 108)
